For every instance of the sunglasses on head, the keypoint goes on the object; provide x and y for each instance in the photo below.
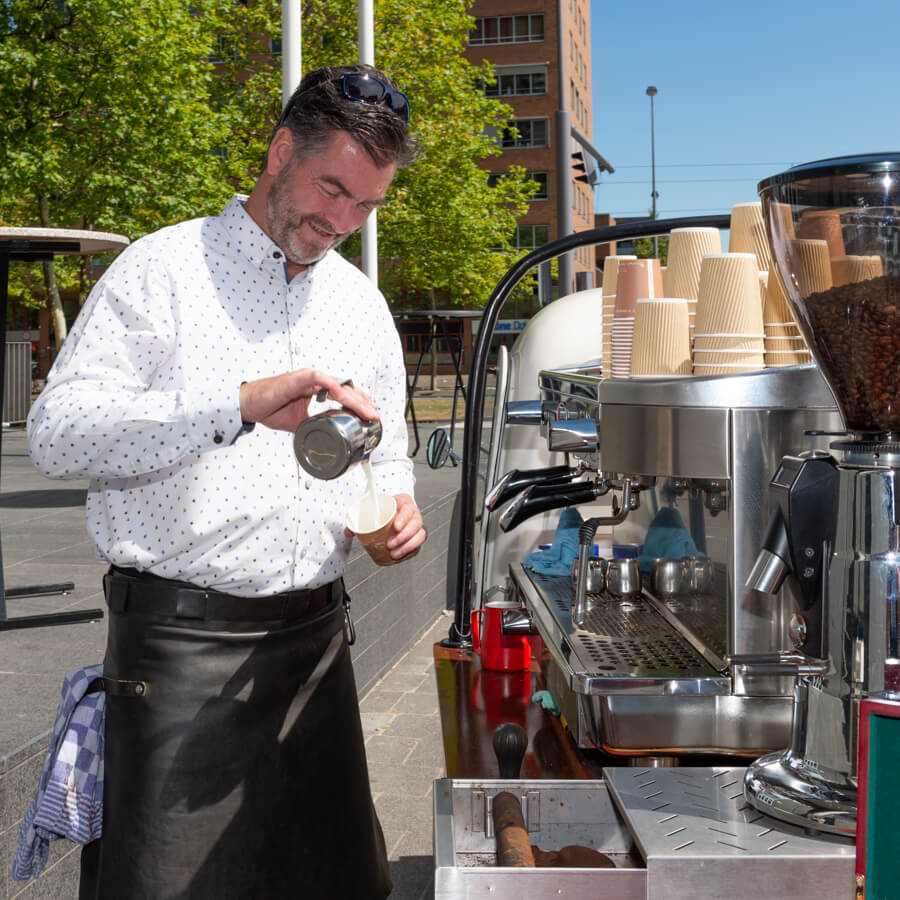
(366, 89)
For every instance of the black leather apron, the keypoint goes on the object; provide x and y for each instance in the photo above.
(235, 765)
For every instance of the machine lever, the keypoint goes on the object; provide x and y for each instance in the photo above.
(517, 479)
(540, 498)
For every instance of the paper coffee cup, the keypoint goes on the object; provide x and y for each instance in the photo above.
(372, 521)
(636, 278)
(849, 269)
(747, 233)
(811, 264)
(728, 298)
(687, 247)
(825, 225)
(610, 273)
(662, 343)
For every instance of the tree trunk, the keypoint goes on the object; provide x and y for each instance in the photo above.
(54, 303)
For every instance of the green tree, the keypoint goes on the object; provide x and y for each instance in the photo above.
(107, 118)
(445, 230)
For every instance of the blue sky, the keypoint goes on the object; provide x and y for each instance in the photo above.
(745, 91)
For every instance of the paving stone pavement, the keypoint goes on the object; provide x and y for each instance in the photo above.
(405, 753)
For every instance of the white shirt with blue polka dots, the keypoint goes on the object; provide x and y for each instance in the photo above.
(143, 400)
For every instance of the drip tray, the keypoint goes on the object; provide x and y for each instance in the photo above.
(629, 682)
(624, 646)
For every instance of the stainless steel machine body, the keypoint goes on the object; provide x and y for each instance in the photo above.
(673, 834)
(651, 675)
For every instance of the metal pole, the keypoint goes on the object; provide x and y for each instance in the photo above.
(651, 93)
(291, 49)
(365, 18)
(563, 159)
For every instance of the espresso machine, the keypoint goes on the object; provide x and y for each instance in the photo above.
(834, 230)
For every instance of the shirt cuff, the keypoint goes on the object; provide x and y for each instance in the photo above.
(216, 420)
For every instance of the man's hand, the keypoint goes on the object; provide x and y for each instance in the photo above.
(282, 401)
(409, 529)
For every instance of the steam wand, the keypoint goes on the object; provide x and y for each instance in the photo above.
(585, 538)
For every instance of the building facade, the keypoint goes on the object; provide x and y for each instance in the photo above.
(521, 40)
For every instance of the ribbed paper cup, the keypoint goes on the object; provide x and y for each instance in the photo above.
(729, 357)
(687, 247)
(849, 269)
(746, 232)
(610, 273)
(723, 369)
(728, 300)
(779, 360)
(811, 264)
(636, 278)
(763, 287)
(662, 341)
(825, 225)
(777, 311)
(747, 343)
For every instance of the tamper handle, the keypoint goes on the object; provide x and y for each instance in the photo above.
(509, 742)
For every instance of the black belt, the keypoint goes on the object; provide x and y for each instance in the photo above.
(128, 590)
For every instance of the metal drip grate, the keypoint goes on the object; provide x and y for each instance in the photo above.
(622, 638)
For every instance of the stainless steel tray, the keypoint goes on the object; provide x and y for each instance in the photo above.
(674, 834)
(632, 683)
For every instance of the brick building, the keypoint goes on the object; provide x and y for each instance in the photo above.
(531, 43)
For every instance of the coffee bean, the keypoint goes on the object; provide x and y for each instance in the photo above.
(856, 339)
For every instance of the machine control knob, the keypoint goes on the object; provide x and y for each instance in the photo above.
(797, 630)
(510, 743)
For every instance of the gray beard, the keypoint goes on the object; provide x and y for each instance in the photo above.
(283, 227)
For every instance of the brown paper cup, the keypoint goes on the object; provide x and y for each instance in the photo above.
(610, 273)
(637, 278)
(662, 342)
(811, 264)
(782, 221)
(728, 300)
(373, 528)
(755, 359)
(825, 225)
(723, 369)
(687, 247)
(850, 269)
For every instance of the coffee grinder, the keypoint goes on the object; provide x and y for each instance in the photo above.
(834, 231)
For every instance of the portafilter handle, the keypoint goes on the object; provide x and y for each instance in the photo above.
(540, 498)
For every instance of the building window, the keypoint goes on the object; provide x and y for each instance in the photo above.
(275, 46)
(530, 133)
(530, 237)
(507, 30)
(518, 83)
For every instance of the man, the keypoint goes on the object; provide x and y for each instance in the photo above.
(235, 765)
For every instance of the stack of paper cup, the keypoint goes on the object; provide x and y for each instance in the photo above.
(662, 345)
(747, 233)
(610, 278)
(848, 269)
(636, 279)
(729, 336)
(785, 345)
(687, 247)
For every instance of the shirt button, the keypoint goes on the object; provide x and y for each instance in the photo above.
(217, 438)
(277, 254)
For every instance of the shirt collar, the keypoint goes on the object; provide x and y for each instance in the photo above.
(251, 240)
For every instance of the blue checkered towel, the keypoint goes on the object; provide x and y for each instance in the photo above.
(69, 798)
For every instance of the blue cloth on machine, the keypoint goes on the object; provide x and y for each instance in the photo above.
(667, 538)
(557, 558)
(69, 798)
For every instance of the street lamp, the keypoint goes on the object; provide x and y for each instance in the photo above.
(651, 93)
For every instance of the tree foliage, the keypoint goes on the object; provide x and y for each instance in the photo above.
(126, 115)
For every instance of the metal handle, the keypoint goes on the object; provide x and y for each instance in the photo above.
(782, 663)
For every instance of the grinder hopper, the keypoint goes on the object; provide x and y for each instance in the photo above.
(834, 232)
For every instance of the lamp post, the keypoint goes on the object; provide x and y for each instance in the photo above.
(651, 93)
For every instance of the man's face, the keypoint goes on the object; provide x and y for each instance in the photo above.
(314, 204)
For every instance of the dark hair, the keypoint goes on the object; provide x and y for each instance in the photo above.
(318, 108)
